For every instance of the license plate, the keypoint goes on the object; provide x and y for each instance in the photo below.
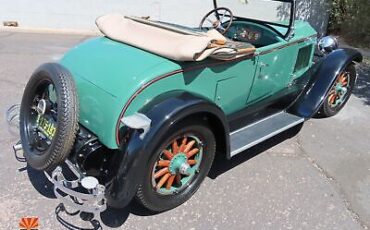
(47, 128)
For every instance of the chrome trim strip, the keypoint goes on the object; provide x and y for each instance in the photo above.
(235, 152)
(286, 45)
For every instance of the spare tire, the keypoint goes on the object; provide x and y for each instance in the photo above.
(48, 117)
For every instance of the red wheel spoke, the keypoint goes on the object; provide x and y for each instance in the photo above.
(170, 182)
(192, 153)
(183, 144)
(343, 79)
(163, 163)
(192, 162)
(332, 98)
(342, 76)
(168, 155)
(161, 173)
(189, 146)
(162, 181)
(175, 147)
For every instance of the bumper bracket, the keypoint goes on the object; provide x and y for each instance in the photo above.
(72, 193)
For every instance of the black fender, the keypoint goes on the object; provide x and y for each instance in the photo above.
(324, 75)
(165, 111)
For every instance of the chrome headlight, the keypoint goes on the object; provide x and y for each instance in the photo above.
(327, 44)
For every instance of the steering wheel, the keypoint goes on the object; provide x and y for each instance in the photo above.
(216, 18)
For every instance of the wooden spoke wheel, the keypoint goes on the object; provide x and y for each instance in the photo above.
(177, 164)
(339, 92)
(182, 161)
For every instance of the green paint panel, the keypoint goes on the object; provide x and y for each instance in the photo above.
(275, 70)
(115, 67)
(231, 83)
(108, 73)
(273, 73)
(97, 110)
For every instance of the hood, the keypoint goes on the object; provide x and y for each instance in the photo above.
(113, 66)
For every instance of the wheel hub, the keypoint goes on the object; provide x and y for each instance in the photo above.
(177, 161)
(179, 164)
(339, 88)
(41, 107)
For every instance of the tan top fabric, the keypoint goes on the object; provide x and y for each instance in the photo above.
(166, 42)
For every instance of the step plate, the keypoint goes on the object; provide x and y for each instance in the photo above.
(261, 130)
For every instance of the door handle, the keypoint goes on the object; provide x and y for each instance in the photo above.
(262, 65)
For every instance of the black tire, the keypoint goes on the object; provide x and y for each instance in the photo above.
(151, 199)
(64, 111)
(327, 109)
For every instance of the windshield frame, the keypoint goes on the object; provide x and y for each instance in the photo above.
(290, 32)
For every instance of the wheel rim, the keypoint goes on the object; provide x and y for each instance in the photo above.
(41, 121)
(177, 165)
(339, 91)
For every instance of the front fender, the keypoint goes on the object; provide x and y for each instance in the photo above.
(311, 99)
(164, 112)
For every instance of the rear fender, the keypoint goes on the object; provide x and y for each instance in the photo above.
(328, 68)
(164, 112)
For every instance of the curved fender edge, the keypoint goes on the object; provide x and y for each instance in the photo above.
(132, 161)
(311, 99)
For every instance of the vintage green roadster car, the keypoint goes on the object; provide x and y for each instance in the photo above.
(142, 111)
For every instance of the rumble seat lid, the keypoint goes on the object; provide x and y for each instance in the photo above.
(167, 42)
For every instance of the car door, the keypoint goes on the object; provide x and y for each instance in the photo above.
(234, 82)
(275, 64)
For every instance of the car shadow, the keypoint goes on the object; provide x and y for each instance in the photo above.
(361, 89)
(112, 218)
(40, 182)
(115, 218)
(222, 165)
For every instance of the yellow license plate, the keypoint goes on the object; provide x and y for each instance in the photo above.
(47, 127)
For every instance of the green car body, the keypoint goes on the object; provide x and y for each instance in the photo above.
(126, 121)
(109, 74)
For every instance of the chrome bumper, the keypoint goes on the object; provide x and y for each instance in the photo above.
(72, 193)
(92, 200)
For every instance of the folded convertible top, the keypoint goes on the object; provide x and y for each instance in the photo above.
(170, 41)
